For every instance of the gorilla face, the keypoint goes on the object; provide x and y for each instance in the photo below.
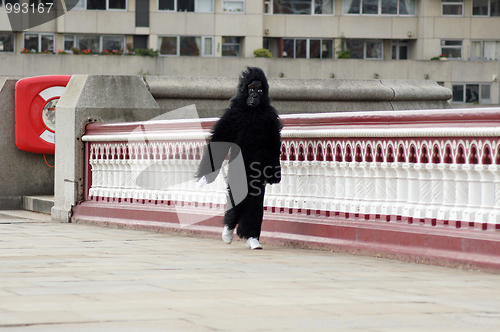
(254, 93)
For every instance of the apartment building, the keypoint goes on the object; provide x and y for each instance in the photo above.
(380, 35)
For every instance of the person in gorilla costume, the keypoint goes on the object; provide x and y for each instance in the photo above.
(249, 128)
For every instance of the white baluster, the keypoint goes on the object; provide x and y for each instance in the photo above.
(340, 187)
(369, 188)
(462, 192)
(293, 183)
(474, 186)
(326, 185)
(301, 192)
(379, 182)
(487, 187)
(357, 174)
(413, 189)
(402, 186)
(349, 187)
(449, 192)
(391, 185)
(494, 217)
(424, 197)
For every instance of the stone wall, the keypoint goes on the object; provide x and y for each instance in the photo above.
(21, 173)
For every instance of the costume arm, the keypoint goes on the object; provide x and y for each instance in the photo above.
(216, 151)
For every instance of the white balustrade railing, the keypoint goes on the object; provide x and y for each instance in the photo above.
(434, 167)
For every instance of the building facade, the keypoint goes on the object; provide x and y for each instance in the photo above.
(389, 38)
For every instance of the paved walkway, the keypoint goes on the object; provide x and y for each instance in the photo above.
(67, 277)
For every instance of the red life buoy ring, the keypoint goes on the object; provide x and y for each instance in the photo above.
(35, 100)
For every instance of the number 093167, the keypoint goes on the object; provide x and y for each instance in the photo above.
(26, 8)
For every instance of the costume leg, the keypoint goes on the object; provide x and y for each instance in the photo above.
(250, 221)
(232, 216)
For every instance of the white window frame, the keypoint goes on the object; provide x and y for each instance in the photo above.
(455, 3)
(40, 34)
(13, 39)
(107, 7)
(244, 7)
(487, 15)
(313, 3)
(64, 42)
(379, 12)
(175, 9)
(203, 42)
(481, 41)
(101, 44)
(398, 44)
(76, 40)
(461, 47)
(239, 44)
(178, 45)
(464, 87)
(308, 47)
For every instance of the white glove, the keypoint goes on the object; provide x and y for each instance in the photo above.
(201, 182)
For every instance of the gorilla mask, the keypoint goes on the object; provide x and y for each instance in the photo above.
(255, 92)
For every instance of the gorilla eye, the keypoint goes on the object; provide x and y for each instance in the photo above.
(259, 89)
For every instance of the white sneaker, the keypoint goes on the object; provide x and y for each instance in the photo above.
(253, 243)
(227, 235)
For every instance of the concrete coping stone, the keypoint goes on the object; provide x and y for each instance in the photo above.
(300, 89)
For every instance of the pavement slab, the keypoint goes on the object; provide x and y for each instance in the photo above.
(73, 277)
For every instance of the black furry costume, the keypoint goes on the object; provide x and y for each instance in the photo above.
(255, 129)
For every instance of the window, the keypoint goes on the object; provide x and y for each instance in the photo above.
(452, 7)
(7, 41)
(69, 42)
(365, 49)
(299, 7)
(199, 6)
(379, 7)
(451, 49)
(112, 43)
(186, 45)
(231, 46)
(399, 50)
(273, 45)
(98, 4)
(486, 7)
(94, 44)
(485, 50)
(307, 48)
(471, 93)
(89, 42)
(233, 6)
(39, 42)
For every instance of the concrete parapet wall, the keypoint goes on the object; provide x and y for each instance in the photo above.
(210, 94)
(300, 89)
(90, 98)
(21, 173)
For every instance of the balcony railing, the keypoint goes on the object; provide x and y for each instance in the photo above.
(437, 167)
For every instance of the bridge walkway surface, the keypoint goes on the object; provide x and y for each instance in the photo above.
(73, 277)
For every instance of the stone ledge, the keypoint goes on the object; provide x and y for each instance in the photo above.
(300, 89)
